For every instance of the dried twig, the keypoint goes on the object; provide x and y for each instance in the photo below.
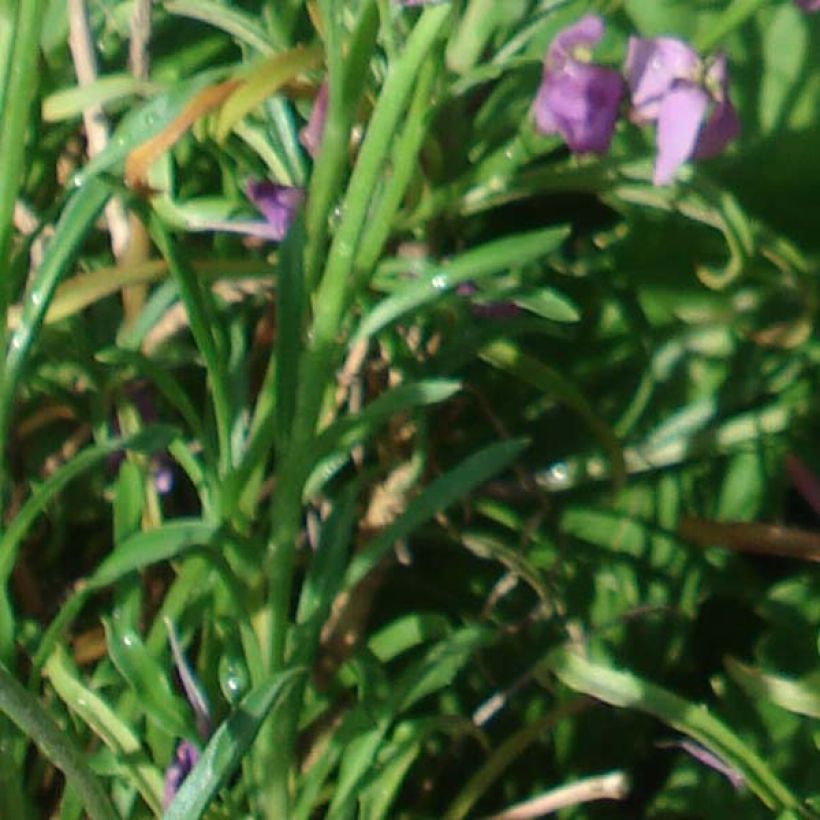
(610, 786)
(81, 43)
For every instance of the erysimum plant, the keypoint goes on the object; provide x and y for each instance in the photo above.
(390, 427)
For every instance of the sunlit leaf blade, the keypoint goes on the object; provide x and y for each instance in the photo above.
(626, 690)
(226, 748)
(801, 695)
(445, 490)
(96, 713)
(500, 255)
(149, 547)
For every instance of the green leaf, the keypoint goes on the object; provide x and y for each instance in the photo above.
(227, 747)
(801, 696)
(507, 356)
(148, 440)
(76, 221)
(440, 494)
(71, 102)
(34, 721)
(500, 255)
(549, 303)
(149, 680)
(146, 548)
(626, 690)
(244, 27)
(108, 726)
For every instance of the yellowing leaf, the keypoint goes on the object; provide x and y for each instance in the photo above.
(266, 79)
(142, 157)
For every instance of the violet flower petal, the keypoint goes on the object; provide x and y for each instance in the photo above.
(185, 758)
(577, 99)
(278, 204)
(580, 102)
(679, 122)
(311, 135)
(723, 125)
(586, 33)
(652, 67)
(808, 5)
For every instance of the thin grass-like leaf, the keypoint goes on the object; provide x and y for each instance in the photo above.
(146, 548)
(34, 721)
(107, 725)
(227, 747)
(440, 494)
(499, 255)
(626, 690)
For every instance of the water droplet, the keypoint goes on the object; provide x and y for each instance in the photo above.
(233, 678)
(16, 342)
(558, 471)
(36, 298)
(128, 640)
(439, 282)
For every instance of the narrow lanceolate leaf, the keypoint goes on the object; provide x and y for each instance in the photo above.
(264, 81)
(801, 696)
(34, 721)
(151, 439)
(512, 251)
(445, 490)
(149, 680)
(505, 355)
(227, 747)
(629, 691)
(146, 548)
(95, 712)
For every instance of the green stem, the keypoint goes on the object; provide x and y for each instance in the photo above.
(200, 315)
(19, 26)
(316, 372)
(33, 720)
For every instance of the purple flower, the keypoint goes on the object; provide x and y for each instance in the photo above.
(185, 758)
(688, 99)
(311, 135)
(577, 99)
(278, 204)
(808, 5)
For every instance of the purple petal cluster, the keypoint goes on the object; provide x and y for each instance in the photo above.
(578, 99)
(669, 84)
(689, 101)
(808, 5)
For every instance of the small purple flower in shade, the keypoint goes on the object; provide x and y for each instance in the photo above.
(278, 204)
(707, 758)
(487, 310)
(185, 758)
(808, 5)
(140, 394)
(669, 85)
(577, 99)
(311, 135)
